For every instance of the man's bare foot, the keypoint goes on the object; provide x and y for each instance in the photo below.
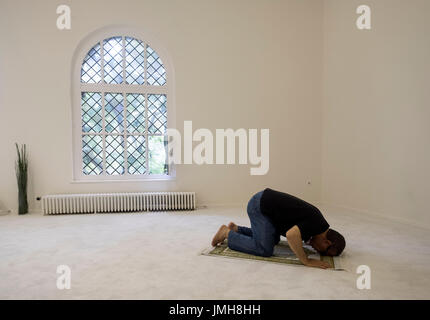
(221, 235)
(232, 226)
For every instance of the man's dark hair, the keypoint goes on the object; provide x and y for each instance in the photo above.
(338, 243)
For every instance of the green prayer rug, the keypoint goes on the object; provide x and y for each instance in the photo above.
(281, 254)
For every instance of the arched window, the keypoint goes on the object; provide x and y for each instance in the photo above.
(123, 111)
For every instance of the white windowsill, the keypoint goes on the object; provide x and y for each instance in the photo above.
(125, 180)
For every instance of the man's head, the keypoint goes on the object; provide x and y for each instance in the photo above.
(329, 243)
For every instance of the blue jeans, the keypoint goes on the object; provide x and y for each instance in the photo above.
(258, 240)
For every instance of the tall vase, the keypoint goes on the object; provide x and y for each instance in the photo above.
(22, 201)
(21, 170)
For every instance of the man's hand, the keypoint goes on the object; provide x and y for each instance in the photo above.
(294, 238)
(316, 263)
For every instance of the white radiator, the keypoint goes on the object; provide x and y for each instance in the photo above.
(118, 202)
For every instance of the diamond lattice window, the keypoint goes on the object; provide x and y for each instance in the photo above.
(123, 109)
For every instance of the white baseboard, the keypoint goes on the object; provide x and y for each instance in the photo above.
(14, 212)
(217, 205)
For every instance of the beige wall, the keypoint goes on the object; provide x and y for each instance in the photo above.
(347, 106)
(376, 132)
(238, 64)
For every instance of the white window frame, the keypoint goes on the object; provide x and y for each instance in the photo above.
(77, 87)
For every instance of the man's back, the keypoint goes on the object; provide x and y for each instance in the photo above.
(287, 211)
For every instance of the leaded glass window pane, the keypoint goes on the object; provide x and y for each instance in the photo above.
(114, 112)
(136, 154)
(112, 54)
(114, 155)
(92, 154)
(156, 73)
(91, 67)
(135, 113)
(157, 147)
(92, 117)
(134, 61)
(157, 113)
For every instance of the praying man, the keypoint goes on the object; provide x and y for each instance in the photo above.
(272, 214)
